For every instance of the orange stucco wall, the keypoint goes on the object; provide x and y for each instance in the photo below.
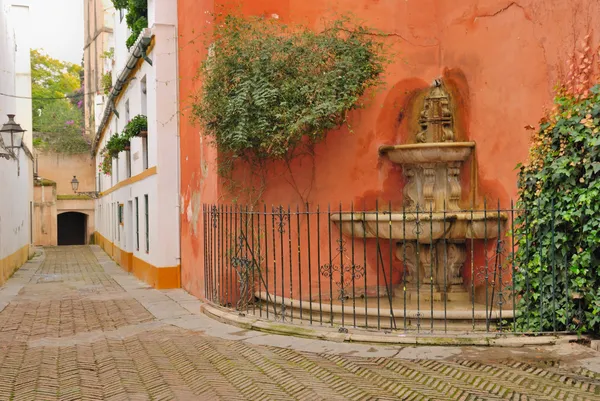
(500, 58)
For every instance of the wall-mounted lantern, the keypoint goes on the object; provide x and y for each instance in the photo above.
(75, 186)
(12, 138)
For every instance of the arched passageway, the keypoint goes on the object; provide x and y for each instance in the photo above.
(72, 227)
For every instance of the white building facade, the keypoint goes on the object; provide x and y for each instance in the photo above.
(137, 213)
(16, 168)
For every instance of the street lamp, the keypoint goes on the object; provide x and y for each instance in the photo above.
(75, 186)
(12, 137)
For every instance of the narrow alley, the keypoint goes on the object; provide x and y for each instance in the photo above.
(73, 325)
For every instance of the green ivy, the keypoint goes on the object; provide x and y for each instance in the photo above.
(269, 87)
(558, 256)
(136, 18)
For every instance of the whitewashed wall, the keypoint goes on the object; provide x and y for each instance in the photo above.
(16, 179)
(160, 107)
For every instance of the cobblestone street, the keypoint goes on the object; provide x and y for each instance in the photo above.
(73, 326)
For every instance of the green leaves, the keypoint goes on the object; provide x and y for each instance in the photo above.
(57, 121)
(119, 142)
(561, 193)
(136, 18)
(134, 127)
(268, 87)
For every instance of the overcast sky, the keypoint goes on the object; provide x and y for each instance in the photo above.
(57, 28)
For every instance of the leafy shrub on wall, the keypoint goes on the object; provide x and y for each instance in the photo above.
(267, 87)
(558, 256)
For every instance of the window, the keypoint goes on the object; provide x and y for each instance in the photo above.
(147, 225)
(121, 14)
(128, 163)
(145, 151)
(144, 89)
(121, 214)
(99, 187)
(137, 224)
(112, 223)
(118, 225)
(116, 169)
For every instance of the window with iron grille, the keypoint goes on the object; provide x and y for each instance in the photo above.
(147, 225)
(137, 224)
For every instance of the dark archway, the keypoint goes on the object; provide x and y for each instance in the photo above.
(72, 228)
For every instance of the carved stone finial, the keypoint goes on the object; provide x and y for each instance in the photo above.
(436, 119)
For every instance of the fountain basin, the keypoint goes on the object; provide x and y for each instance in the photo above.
(424, 227)
(417, 153)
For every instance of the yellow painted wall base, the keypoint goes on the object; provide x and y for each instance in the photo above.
(11, 263)
(158, 277)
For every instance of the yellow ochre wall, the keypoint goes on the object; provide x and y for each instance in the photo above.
(157, 277)
(12, 262)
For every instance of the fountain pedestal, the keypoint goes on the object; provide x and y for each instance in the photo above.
(432, 230)
(433, 271)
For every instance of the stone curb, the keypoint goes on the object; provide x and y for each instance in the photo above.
(370, 337)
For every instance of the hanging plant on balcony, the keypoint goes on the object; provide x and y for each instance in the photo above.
(116, 144)
(106, 164)
(136, 18)
(268, 87)
(138, 126)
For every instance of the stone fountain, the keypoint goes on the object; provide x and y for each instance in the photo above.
(432, 230)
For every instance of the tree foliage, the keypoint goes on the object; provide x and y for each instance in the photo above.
(57, 104)
(52, 78)
(267, 86)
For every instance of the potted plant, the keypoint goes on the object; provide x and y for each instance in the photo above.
(116, 144)
(138, 126)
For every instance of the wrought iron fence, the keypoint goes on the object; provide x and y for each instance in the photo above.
(408, 270)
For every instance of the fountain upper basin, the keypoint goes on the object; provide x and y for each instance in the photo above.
(424, 227)
(416, 153)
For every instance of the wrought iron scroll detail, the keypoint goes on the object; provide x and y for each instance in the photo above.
(345, 274)
(281, 218)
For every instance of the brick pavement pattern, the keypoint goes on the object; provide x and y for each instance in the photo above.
(70, 331)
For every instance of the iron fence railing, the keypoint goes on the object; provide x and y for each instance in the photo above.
(420, 271)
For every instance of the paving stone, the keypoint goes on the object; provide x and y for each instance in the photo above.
(74, 326)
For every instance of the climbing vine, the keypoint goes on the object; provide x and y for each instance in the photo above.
(268, 88)
(558, 254)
